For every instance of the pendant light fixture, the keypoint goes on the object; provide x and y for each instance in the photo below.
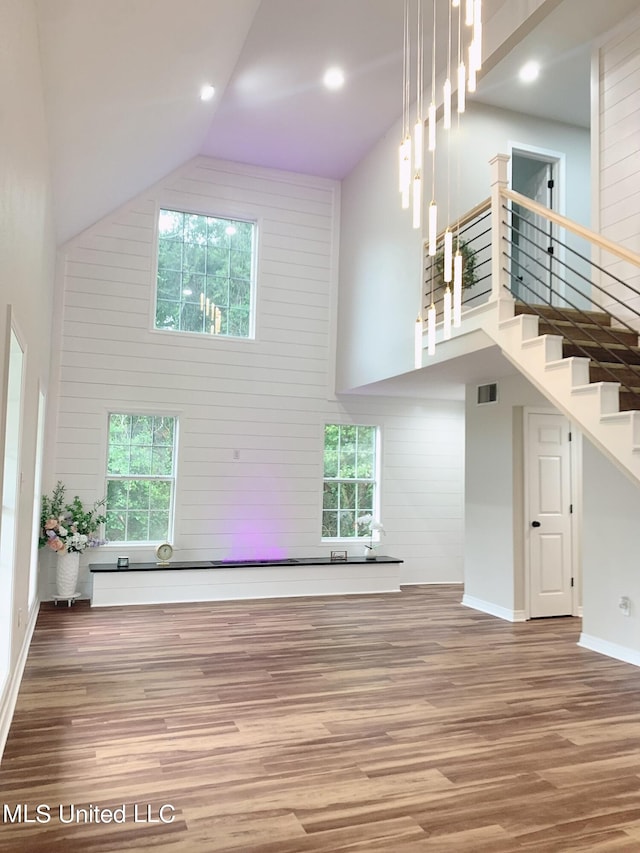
(417, 344)
(415, 138)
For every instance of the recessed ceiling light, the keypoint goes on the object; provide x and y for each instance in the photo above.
(207, 92)
(529, 72)
(333, 78)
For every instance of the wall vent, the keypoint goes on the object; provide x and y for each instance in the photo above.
(487, 393)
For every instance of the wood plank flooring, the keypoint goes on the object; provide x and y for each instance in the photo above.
(360, 723)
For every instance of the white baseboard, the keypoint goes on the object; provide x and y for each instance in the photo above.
(611, 650)
(10, 697)
(493, 609)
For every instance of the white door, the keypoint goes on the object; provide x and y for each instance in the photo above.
(531, 233)
(548, 473)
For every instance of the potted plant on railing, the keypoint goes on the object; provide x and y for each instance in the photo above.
(68, 529)
(469, 276)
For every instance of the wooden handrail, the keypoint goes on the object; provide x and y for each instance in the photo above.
(580, 230)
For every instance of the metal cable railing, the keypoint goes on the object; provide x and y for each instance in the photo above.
(474, 238)
(537, 286)
(608, 329)
(588, 280)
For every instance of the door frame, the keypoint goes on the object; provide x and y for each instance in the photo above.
(575, 480)
(559, 161)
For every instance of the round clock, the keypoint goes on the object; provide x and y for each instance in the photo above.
(164, 552)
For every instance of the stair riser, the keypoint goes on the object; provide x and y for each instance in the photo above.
(564, 313)
(620, 374)
(629, 402)
(600, 353)
(590, 333)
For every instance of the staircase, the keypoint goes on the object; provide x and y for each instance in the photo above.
(587, 368)
(614, 354)
(587, 363)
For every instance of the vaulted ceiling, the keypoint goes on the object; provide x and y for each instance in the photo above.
(122, 79)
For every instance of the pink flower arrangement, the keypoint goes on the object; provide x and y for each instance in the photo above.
(69, 527)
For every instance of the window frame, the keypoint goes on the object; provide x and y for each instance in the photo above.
(145, 543)
(254, 266)
(375, 511)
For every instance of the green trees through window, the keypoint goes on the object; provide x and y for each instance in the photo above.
(140, 477)
(205, 273)
(349, 479)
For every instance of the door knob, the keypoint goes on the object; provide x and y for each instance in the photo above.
(535, 524)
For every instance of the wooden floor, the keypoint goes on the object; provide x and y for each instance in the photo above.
(360, 723)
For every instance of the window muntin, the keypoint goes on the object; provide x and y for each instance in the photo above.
(350, 468)
(205, 274)
(140, 477)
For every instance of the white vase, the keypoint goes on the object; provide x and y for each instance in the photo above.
(369, 553)
(67, 569)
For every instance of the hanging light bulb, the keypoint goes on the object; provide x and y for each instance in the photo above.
(471, 83)
(431, 329)
(448, 255)
(468, 18)
(457, 290)
(432, 127)
(477, 13)
(417, 201)
(475, 51)
(446, 121)
(462, 84)
(406, 173)
(433, 228)
(417, 340)
(477, 34)
(418, 143)
(447, 314)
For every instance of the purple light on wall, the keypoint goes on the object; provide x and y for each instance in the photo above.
(254, 540)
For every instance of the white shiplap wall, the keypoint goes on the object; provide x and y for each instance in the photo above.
(267, 399)
(618, 147)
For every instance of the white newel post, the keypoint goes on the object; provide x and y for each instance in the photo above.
(499, 230)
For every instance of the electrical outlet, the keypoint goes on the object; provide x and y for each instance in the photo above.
(625, 605)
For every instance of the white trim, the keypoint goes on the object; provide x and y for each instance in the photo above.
(254, 220)
(611, 650)
(493, 609)
(575, 520)
(32, 590)
(575, 499)
(8, 701)
(334, 293)
(553, 158)
(143, 411)
(544, 155)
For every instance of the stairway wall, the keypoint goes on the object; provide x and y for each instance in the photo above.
(494, 497)
(611, 558)
(380, 253)
(616, 169)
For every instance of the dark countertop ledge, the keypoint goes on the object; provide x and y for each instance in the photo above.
(178, 565)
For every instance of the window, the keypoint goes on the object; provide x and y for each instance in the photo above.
(350, 467)
(205, 274)
(140, 478)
